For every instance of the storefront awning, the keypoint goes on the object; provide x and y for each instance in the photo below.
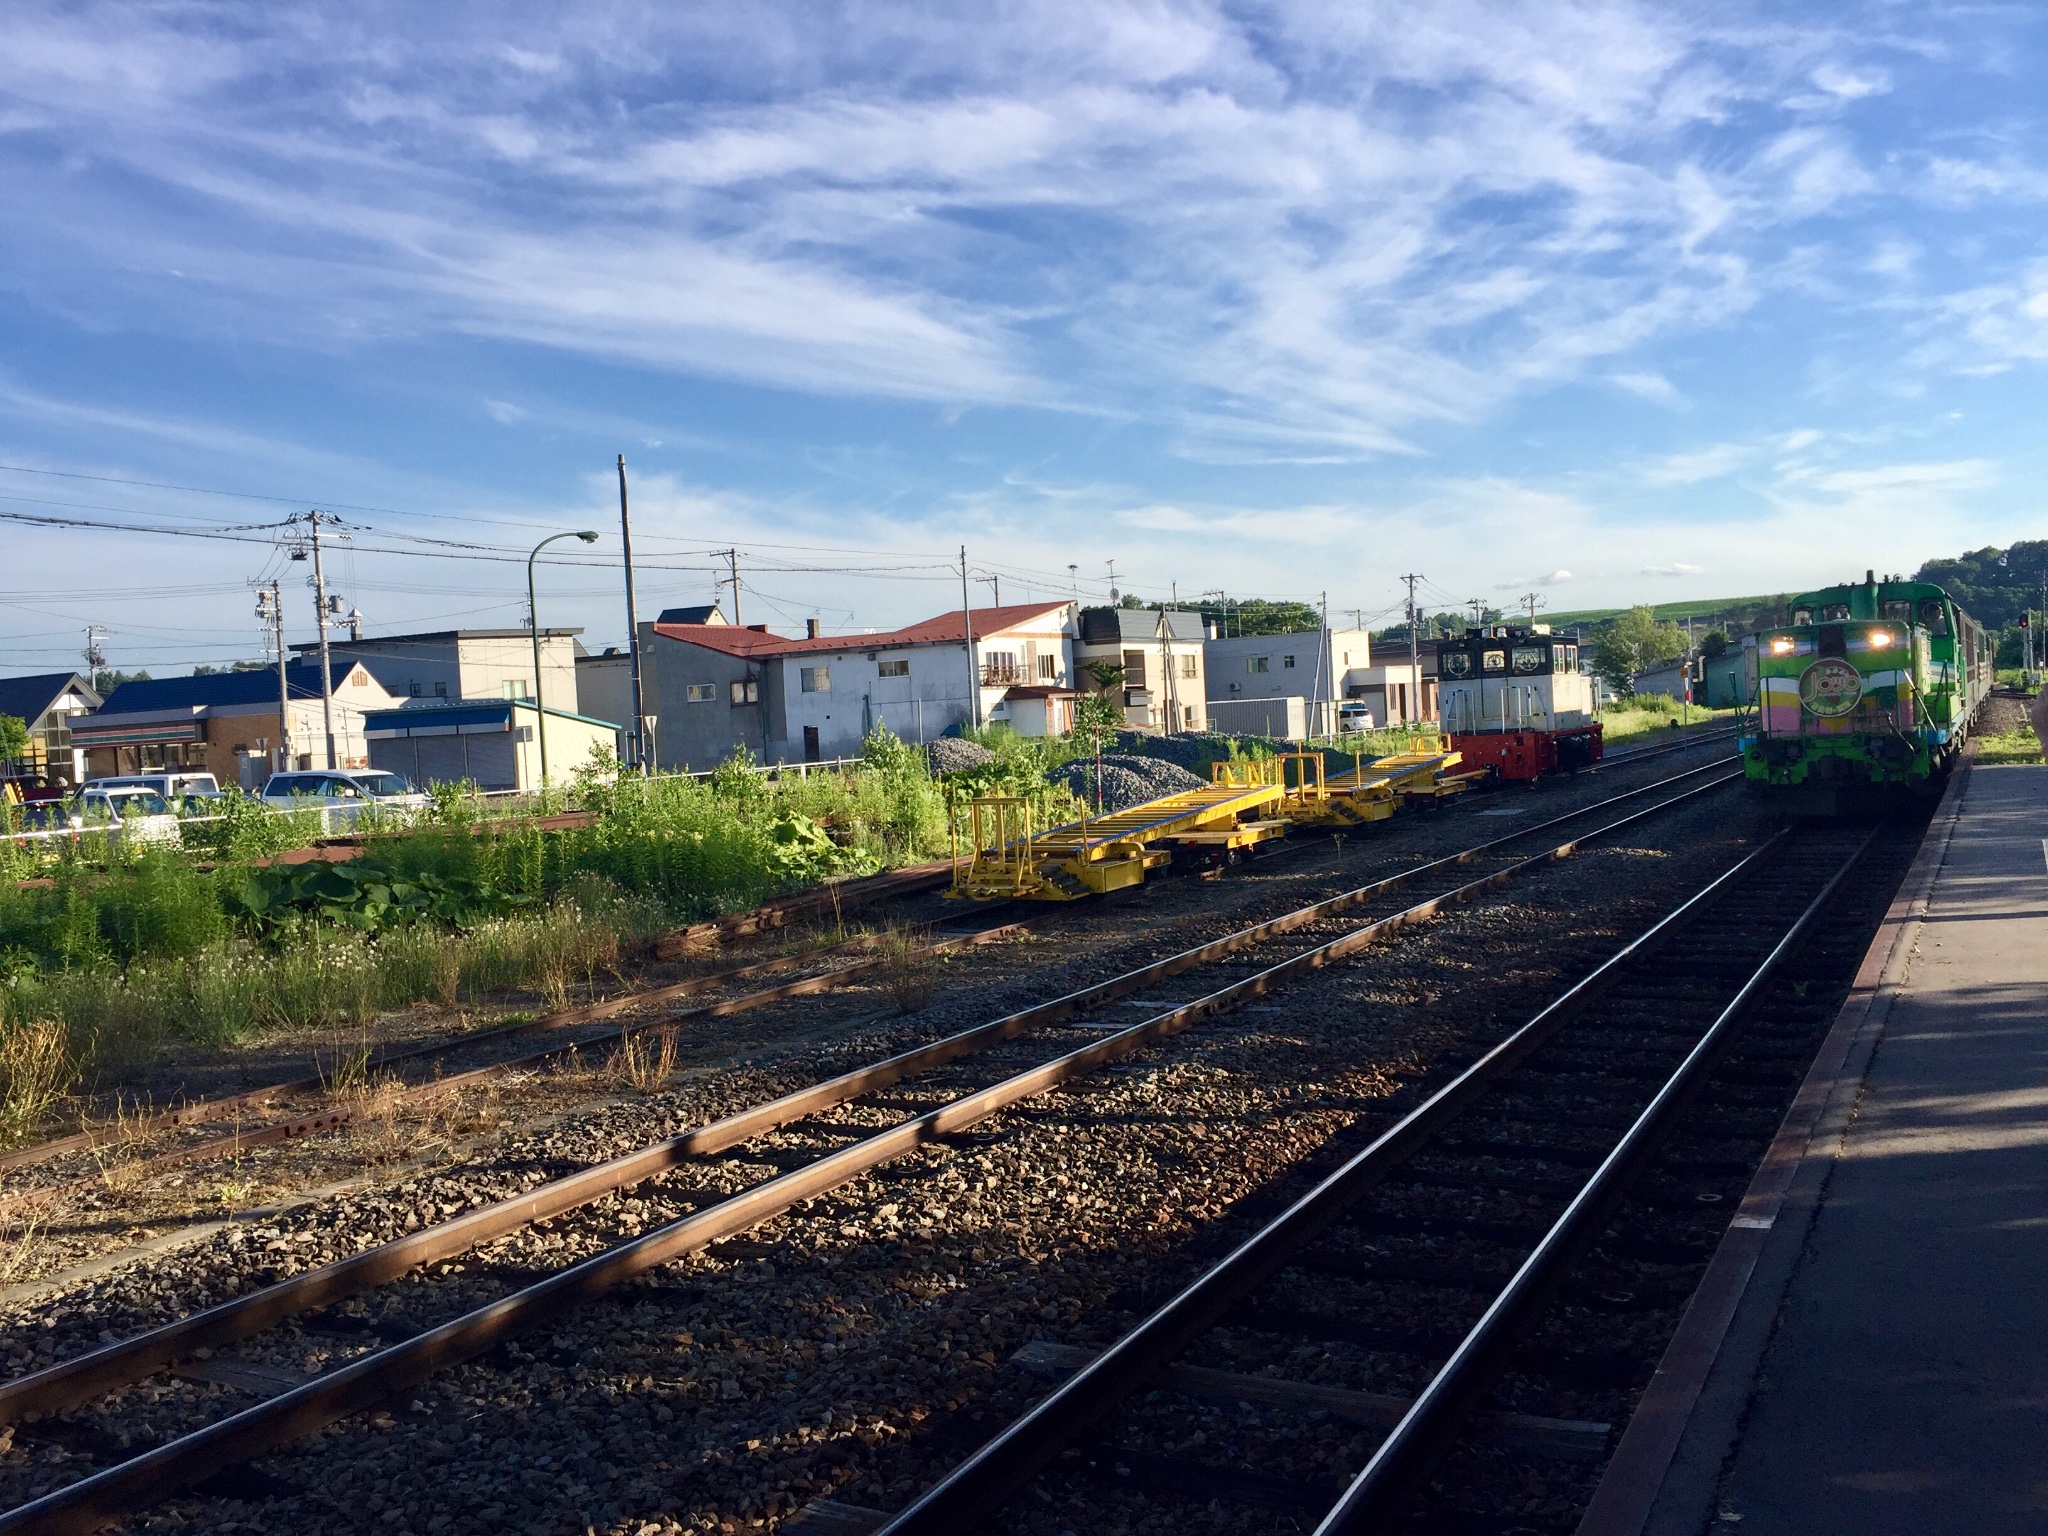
(115, 733)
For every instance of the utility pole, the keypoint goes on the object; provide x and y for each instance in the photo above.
(732, 560)
(1532, 601)
(1323, 656)
(1114, 596)
(270, 606)
(1478, 607)
(639, 735)
(95, 658)
(1172, 689)
(1414, 652)
(995, 584)
(973, 672)
(314, 520)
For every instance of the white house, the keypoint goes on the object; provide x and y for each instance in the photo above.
(717, 687)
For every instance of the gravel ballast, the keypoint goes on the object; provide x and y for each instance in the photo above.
(1125, 780)
(952, 754)
(854, 1347)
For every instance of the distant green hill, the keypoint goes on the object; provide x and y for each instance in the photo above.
(1740, 609)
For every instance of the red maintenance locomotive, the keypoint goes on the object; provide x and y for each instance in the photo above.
(1512, 699)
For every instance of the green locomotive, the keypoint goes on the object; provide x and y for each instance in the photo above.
(1871, 690)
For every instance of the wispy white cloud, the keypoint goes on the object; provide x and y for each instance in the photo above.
(1321, 226)
(1653, 387)
(1709, 463)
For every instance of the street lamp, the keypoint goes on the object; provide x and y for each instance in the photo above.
(540, 708)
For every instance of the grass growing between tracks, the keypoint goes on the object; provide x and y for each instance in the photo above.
(1648, 715)
(2017, 746)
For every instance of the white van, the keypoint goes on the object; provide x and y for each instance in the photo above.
(174, 784)
(1353, 718)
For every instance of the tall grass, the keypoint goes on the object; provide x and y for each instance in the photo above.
(1646, 713)
(120, 956)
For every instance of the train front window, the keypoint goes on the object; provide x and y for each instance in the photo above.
(1456, 664)
(1831, 613)
(1934, 614)
(1802, 616)
(1493, 661)
(1528, 659)
(1896, 611)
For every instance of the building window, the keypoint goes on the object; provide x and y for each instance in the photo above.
(514, 689)
(1134, 668)
(1258, 664)
(1187, 664)
(702, 693)
(1048, 667)
(413, 689)
(748, 692)
(899, 668)
(1286, 661)
(440, 690)
(1000, 667)
(814, 679)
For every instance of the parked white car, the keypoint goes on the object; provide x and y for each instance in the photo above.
(128, 814)
(1353, 718)
(342, 796)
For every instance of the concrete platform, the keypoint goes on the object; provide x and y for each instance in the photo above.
(1868, 1352)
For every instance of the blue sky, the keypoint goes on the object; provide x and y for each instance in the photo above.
(1608, 302)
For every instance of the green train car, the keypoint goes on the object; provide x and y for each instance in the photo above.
(1869, 692)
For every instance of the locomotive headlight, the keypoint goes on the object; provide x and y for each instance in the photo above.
(1879, 639)
(1781, 647)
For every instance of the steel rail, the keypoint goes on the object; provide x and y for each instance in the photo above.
(991, 1474)
(156, 1474)
(72, 1382)
(1629, 755)
(1411, 1447)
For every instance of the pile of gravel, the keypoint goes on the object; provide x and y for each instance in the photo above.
(1195, 750)
(1126, 780)
(950, 754)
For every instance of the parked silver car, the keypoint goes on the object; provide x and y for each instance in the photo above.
(343, 796)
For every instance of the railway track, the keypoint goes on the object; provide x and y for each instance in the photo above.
(217, 1129)
(1261, 953)
(1417, 1269)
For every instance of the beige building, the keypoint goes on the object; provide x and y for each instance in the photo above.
(492, 743)
(465, 663)
(1150, 661)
